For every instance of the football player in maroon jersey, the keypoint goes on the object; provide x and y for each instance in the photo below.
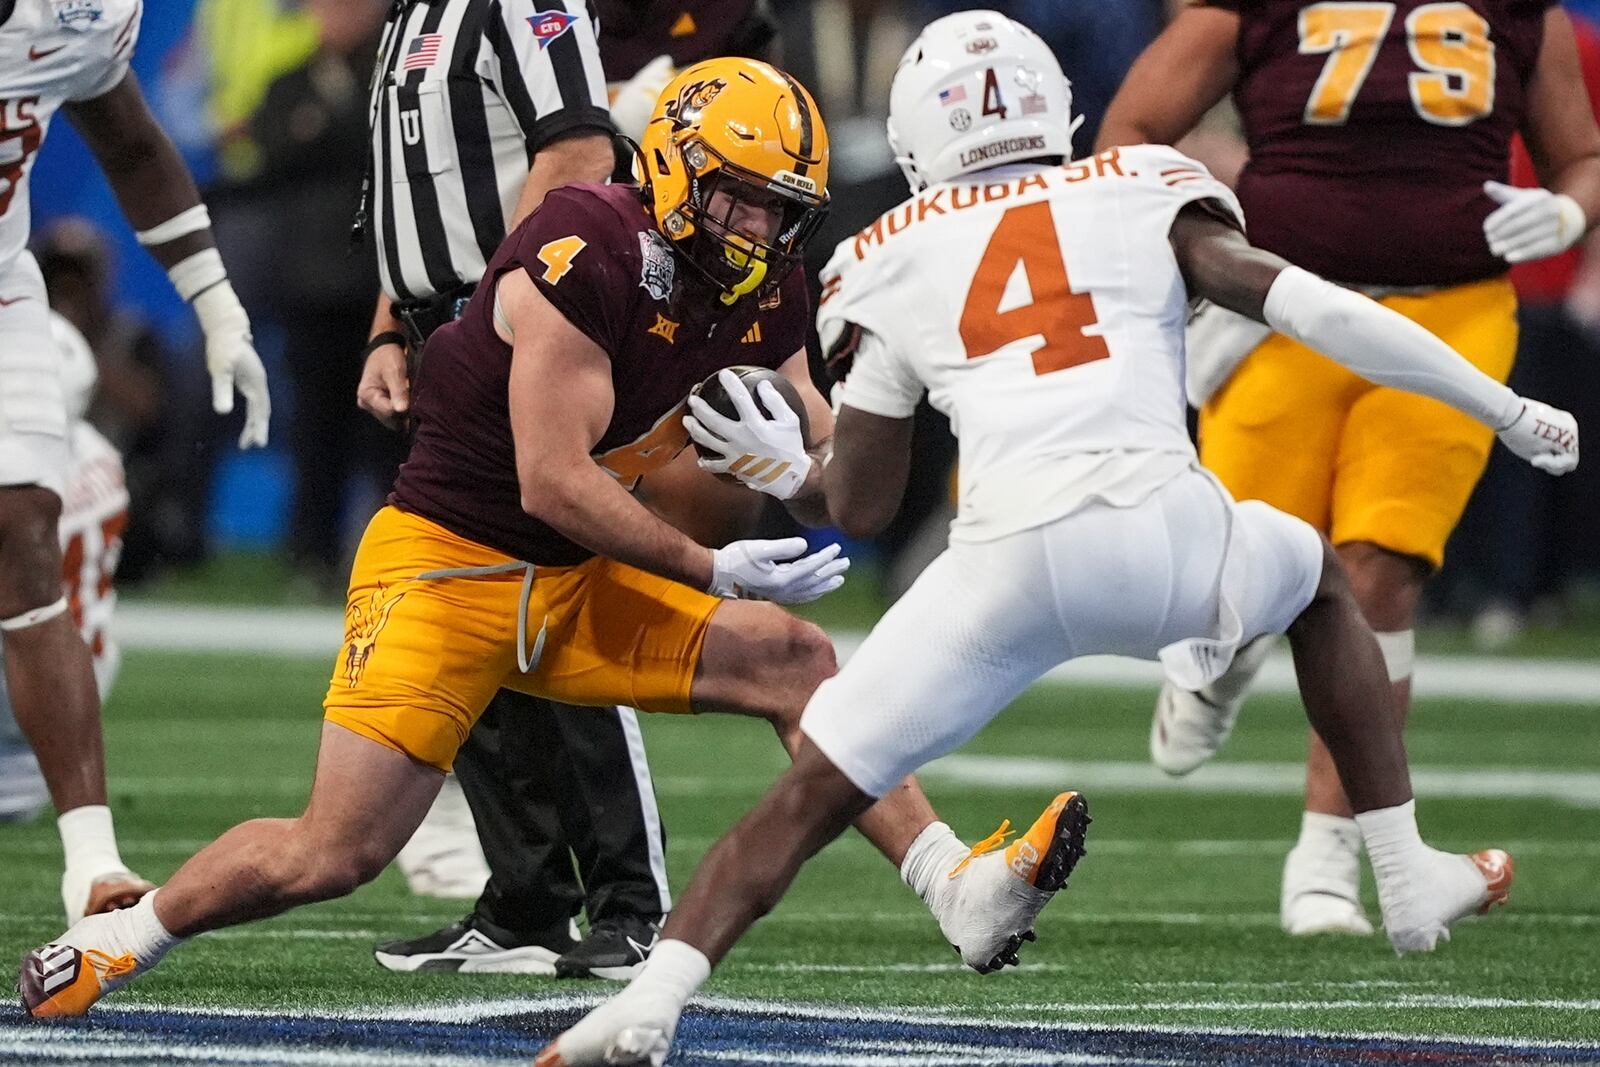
(1379, 137)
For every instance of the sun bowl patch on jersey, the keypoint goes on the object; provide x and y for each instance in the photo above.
(548, 25)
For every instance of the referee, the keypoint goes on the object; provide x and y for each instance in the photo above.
(479, 108)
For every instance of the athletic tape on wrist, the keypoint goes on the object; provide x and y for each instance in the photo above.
(182, 224)
(195, 274)
(34, 617)
(1399, 648)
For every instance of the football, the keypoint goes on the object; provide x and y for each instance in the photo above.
(712, 392)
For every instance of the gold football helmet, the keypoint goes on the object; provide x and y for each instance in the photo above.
(736, 147)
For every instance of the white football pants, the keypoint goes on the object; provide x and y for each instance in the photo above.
(987, 619)
(33, 406)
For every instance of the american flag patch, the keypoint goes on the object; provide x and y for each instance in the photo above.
(422, 52)
(953, 95)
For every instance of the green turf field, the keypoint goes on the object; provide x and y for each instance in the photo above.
(1170, 920)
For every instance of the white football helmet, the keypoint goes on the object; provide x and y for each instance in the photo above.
(977, 89)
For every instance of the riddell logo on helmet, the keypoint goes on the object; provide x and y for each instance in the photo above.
(1007, 147)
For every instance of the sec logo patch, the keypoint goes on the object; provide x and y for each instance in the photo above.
(548, 25)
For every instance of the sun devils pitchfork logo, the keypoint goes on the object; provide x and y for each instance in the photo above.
(362, 624)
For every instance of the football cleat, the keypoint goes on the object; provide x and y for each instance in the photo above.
(1189, 728)
(473, 946)
(1322, 890)
(1437, 890)
(632, 1029)
(107, 891)
(991, 899)
(68, 975)
(615, 949)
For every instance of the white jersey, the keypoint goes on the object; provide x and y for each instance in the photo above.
(1041, 308)
(94, 515)
(52, 52)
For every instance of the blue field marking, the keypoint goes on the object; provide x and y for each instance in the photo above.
(727, 1032)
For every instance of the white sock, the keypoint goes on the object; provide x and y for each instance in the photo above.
(930, 859)
(89, 841)
(675, 969)
(1391, 837)
(1329, 833)
(133, 930)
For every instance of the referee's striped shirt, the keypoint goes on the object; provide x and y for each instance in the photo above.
(465, 94)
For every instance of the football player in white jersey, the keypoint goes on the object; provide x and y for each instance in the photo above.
(94, 514)
(72, 55)
(1042, 307)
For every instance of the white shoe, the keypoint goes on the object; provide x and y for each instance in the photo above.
(988, 905)
(444, 858)
(1421, 900)
(632, 1029)
(1190, 728)
(1322, 887)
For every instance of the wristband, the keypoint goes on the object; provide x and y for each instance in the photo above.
(182, 224)
(387, 337)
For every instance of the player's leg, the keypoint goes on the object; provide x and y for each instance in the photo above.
(1350, 703)
(521, 920)
(1272, 433)
(366, 799)
(419, 661)
(48, 667)
(978, 635)
(1406, 468)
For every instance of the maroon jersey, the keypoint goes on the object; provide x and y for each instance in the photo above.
(593, 253)
(1373, 126)
(633, 32)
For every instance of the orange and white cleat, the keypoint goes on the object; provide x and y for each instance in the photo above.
(992, 898)
(1442, 888)
(61, 980)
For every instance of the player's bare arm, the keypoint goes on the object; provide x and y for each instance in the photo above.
(583, 156)
(1363, 335)
(866, 478)
(1183, 74)
(1562, 138)
(555, 431)
(158, 196)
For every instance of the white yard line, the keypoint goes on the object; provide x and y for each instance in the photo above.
(78, 1046)
(317, 632)
(1578, 788)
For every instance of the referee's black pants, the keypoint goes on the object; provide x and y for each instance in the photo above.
(552, 783)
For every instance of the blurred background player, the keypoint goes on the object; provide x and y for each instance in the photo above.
(94, 514)
(1379, 136)
(464, 96)
(74, 57)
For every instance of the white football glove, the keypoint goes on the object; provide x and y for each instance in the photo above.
(765, 452)
(1531, 223)
(1546, 437)
(776, 570)
(232, 362)
(635, 99)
